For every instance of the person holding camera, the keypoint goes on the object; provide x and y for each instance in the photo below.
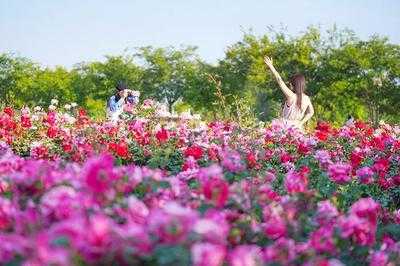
(122, 98)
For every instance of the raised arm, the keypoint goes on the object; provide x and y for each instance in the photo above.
(288, 93)
(308, 114)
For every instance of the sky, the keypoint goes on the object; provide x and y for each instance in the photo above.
(66, 32)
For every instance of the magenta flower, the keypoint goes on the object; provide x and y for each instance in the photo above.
(322, 240)
(326, 212)
(366, 208)
(172, 223)
(7, 213)
(282, 251)
(11, 245)
(275, 227)
(361, 224)
(61, 203)
(379, 258)
(396, 215)
(231, 160)
(296, 182)
(98, 173)
(365, 175)
(137, 210)
(323, 157)
(359, 229)
(340, 172)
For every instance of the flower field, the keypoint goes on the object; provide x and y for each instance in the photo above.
(150, 191)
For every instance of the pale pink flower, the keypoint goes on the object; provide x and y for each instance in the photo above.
(207, 254)
(246, 255)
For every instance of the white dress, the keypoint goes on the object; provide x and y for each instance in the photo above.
(292, 114)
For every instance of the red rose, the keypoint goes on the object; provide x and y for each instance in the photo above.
(194, 151)
(162, 135)
(216, 190)
(26, 121)
(122, 149)
(356, 159)
(52, 132)
(67, 147)
(285, 157)
(213, 154)
(302, 148)
(9, 111)
(252, 160)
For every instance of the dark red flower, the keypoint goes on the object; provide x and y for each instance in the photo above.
(302, 148)
(356, 158)
(120, 149)
(252, 160)
(8, 110)
(381, 165)
(396, 180)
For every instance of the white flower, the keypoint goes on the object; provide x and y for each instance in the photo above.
(54, 102)
(52, 107)
(186, 115)
(35, 144)
(25, 111)
(37, 108)
(67, 106)
(69, 119)
(35, 117)
(74, 105)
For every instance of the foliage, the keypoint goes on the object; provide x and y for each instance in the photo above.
(345, 76)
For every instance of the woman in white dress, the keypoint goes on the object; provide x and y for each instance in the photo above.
(298, 108)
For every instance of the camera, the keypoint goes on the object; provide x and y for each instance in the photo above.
(132, 99)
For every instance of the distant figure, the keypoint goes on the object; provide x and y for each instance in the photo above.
(350, 120)
(123, 99)
(297, 109)
(115, 105)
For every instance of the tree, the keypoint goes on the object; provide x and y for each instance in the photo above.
(16, 76)
(168, 73)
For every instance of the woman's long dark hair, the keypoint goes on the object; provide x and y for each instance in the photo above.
(298, 82)
(120, 87)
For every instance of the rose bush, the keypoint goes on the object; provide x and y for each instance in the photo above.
(74, 191)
